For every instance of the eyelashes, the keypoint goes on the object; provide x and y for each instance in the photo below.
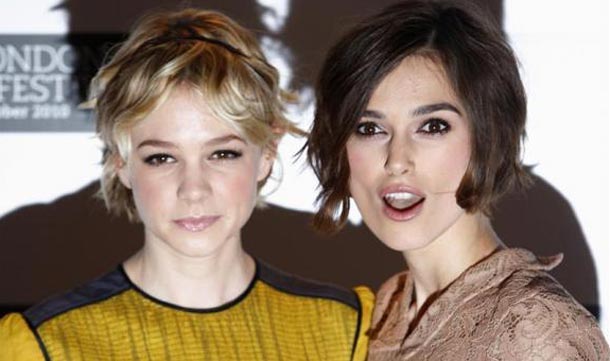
(368, 129)
(159, 159)
(226, 154)
(156, 160)
(432, 127)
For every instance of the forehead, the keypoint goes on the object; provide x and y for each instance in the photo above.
(184, 114)
(416, 79)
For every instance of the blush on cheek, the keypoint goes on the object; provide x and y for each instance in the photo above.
(241, 186)
(451, 177)
(445, 170)
(146, 197)
(357, 160)
(146, 187)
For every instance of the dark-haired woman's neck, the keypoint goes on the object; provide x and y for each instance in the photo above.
(437, 265)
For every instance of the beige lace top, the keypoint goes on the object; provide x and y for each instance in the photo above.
(506, 307)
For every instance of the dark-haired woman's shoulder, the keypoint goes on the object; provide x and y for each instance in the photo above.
(506, 307)
(537, 318)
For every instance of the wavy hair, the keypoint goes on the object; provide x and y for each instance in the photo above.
(203, 50)
(481, 68)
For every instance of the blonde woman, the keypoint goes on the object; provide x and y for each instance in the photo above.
(190, 114)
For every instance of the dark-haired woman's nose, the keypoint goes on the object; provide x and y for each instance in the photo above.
(399, 157)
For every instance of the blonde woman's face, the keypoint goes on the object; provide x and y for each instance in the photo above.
(194, 178)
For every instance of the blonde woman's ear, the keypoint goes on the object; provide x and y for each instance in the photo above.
(266, 161)
(122, 171)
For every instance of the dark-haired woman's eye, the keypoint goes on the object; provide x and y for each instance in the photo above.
(368, 129)
(434, 126)
(159, 159)
(226, 154)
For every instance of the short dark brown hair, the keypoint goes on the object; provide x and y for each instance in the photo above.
(481, 68)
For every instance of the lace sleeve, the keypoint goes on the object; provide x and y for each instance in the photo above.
(549, 326)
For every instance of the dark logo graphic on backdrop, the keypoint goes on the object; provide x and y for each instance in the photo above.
(43, 78)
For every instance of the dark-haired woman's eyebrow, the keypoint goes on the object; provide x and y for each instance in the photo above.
(431, 108)
(372, 114)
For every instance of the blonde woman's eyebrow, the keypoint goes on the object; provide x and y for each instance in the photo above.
(225, 139)
(210, 142)
(155, 143)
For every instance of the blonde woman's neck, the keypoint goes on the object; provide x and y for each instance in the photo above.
(192, 282)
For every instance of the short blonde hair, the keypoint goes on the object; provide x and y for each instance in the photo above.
(203, 50)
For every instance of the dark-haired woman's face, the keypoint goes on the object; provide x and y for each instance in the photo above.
(408, 155)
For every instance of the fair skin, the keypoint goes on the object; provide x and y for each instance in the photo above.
(407, 157)
(194, 181)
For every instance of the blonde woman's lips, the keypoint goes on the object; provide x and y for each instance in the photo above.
(196, 224)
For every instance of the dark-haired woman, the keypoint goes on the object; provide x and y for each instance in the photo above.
(420, 118)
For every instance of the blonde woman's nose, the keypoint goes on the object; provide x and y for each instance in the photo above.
(193, 183)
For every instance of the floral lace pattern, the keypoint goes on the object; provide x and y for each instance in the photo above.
(506, 307)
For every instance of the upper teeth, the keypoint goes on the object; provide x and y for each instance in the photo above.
(401, 200)
(400, 195)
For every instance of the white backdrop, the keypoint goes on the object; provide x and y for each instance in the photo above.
(562, 45)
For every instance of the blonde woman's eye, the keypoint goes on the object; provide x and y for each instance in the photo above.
(226, 154)
(367, 129)
(159, 159)
(434, 126)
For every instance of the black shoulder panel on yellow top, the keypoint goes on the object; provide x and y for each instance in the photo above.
(303, 287)
(98, 290)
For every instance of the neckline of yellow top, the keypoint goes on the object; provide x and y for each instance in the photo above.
(219, 308)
